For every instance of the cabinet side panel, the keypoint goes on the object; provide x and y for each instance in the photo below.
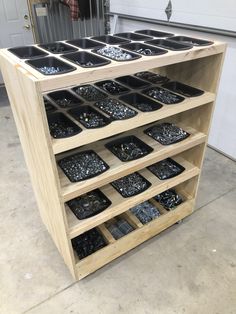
(30, 117)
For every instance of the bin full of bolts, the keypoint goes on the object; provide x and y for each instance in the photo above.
(89, 205)
(117, 54)
(131, 185)
(82, 166)
(169, 199)
(116, 109)
(145, 212)
(167, 133)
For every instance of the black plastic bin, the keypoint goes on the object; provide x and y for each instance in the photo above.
(192, 41)
(27, 52)
(141, 102)
(111, 40)
(48, 106)
(89, 92)
(50, 66)
(183, 89)
(132, 82)
(133, 36)
(151, 32)
(121, 55)
(163, 95)
(58, 47)
(152, 77)
(129, 148)
(89, 117)
(144, 49)
(64, 99)
(86, 59)
(60, 126)
(168, 44)
(112, 87)
(85, 43)
(166, 169)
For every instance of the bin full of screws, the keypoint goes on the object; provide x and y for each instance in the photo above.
(166, 169)
(163, 95)
(89, 204)
(145, 212)
(112, 87)
(116, 109)
(167, 133)
(90, 92)
(129, 148)
(119, 228)
(89, 117)
(82, 166)
(152, 77)
(88, 243)
(131, 185)
(117, 54)
(169, 199)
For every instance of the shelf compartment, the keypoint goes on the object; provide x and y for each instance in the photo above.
(57, 48)
(120, 204)
(117, 248)
(118, 168)
(85, 43)
(142, 118)
(133, 36)
(152, 32)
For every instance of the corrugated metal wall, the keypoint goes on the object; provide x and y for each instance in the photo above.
(57, 24)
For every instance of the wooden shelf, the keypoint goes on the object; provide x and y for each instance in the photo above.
(88, 136)
(118, 168)
(120, 204)
(116, 248)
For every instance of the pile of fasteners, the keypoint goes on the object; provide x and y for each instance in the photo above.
(115, 109)
(166, 169)
(145, 212)
(115, 53)
(163, 95)
(90, 93)
(169, 199)
(119, 228)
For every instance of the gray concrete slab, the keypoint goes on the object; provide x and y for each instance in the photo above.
(189, 268)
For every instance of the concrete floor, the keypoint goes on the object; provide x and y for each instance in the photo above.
(189, 268)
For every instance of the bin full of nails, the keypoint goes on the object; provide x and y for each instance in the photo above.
(167, 133)
(116, 53)
(90, 92)
(166, 169)
(112, 87)
(82, 166)
(119, 228)
(88, 243)
(163, 95)
(169, 199)
(131, 185)
(60, 126)
(145, 212)
(115, 109)
(89, 205)
(152, 77)
(129, 148)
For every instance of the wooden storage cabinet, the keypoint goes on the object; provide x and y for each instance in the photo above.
(199, 67)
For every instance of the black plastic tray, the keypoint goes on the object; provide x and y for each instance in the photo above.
(152, 77)
(163, 95)
(185, 90)
(132, 82)
(115, 88)
(60, 126)
(141, 102)
(27, 52)
(71, 163)
(161, 133)
(111, 40)
(192, 41)
(86, 110)
(169, 199)
(58, 48)
(141, 48)
(129, 182)
(166, 169)
(87, 243)
(85, 43)
(119, 144)
(90, 92)
(48, 106)
(168, 44)
(115, 109)
(89, 204)
(151, 32)
(86, 59)
(134, 56)
(65, 99)
(49, 62)
(133, 36)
